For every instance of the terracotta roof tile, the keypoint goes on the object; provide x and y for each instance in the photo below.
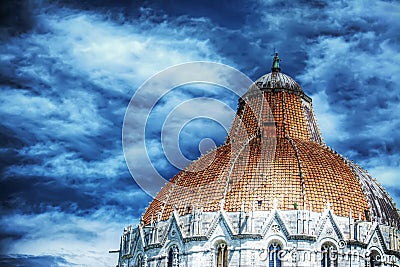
(274, 150)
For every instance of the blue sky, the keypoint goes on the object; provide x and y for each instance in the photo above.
(69, 68)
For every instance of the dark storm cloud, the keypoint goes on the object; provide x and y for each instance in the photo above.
(69, 68)
(34, 261)
(359, 78)
(64, 90)
(16, 17)
(38, 193)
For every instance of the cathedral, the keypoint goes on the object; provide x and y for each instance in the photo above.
(274, 194)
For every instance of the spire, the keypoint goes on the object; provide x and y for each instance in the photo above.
(275, 64)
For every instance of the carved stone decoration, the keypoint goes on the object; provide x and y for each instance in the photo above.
(329, 231)
(275, 228)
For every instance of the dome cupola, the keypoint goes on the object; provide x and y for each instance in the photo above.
(274, 152)
(272, 195)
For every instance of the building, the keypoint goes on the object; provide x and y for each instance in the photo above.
(273, 195)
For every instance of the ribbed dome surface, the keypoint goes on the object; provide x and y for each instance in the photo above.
(274, 152)
(277, 80)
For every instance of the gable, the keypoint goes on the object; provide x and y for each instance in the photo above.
(220, 226)
(275, 225)
(174, 231)
(375, 239)
(329, 228)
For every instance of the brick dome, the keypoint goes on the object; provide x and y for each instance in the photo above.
(274, 155)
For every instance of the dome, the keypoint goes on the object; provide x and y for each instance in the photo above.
(274, 194)
(274, 156)
(278, 80)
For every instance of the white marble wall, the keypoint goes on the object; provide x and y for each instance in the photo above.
(300, 233)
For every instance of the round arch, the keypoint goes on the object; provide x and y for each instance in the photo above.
(220, 246)
(173, 255)
(279, 245)
(329, 252)
(329, 240)
(138, 262)
(275, 256)
(276, 238)
(374, 257)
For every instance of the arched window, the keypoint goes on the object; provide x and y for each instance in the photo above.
(222, 255)
(375, 259)
(173, 257)
(329, 255)
(273, 255)
(139, 261)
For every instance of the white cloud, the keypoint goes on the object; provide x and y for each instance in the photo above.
(84, 241)
(79, 72)
(69, 165)
(181, 115)
(86, 49)
(329, 121)
(76, 77)
(111, 54)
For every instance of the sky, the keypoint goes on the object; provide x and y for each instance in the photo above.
(68, 70)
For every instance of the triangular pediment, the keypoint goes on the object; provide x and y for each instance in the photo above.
(220, 225)
(375, 238)
(328, 227)
(275, 225)
(174, 231)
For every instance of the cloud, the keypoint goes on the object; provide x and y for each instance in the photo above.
(68, 238)
(359, 81)
(68, 70)
(75, 84)
(62, 104)
(31, 260)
